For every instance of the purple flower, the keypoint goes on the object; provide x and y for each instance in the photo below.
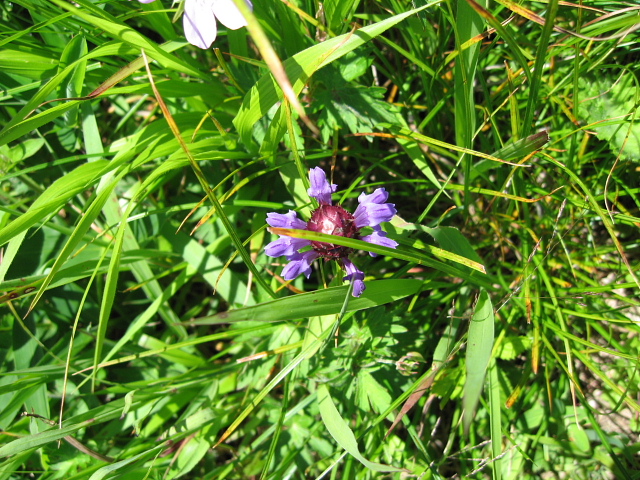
(199, 19)
(355, 276)
(320, 189)
(334, 220)
(286, 245)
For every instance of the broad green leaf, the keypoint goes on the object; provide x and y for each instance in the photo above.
(611, 108)
(265, 93)
(342, 434)
(318, 303)
(340, 104)
(479, 347)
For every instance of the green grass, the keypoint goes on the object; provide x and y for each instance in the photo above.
(145, 333)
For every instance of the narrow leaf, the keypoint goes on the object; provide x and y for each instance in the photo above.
(411, 255)
(479, 347)
(321, 302)
(39, 439)
(341, 432)
(523, 147)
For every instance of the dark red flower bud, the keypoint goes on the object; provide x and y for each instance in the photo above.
(333, 220)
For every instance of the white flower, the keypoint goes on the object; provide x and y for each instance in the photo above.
(200, 16)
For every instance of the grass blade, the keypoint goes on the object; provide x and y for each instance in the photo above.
(479, 348)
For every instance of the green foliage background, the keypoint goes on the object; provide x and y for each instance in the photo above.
(141, 316)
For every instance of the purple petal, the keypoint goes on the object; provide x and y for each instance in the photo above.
(379, 195)
(285, 246)
(372, 210)
(286, 220)
(228, 14)
(146, 1)
(320, 189)
(300, 263)
(355, 276)
(379, 237)
(199, 23)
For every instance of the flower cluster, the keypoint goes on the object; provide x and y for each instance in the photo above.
(200, 16)
(334, 220)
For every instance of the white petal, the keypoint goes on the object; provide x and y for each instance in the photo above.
(228, 14)
(199, 23)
